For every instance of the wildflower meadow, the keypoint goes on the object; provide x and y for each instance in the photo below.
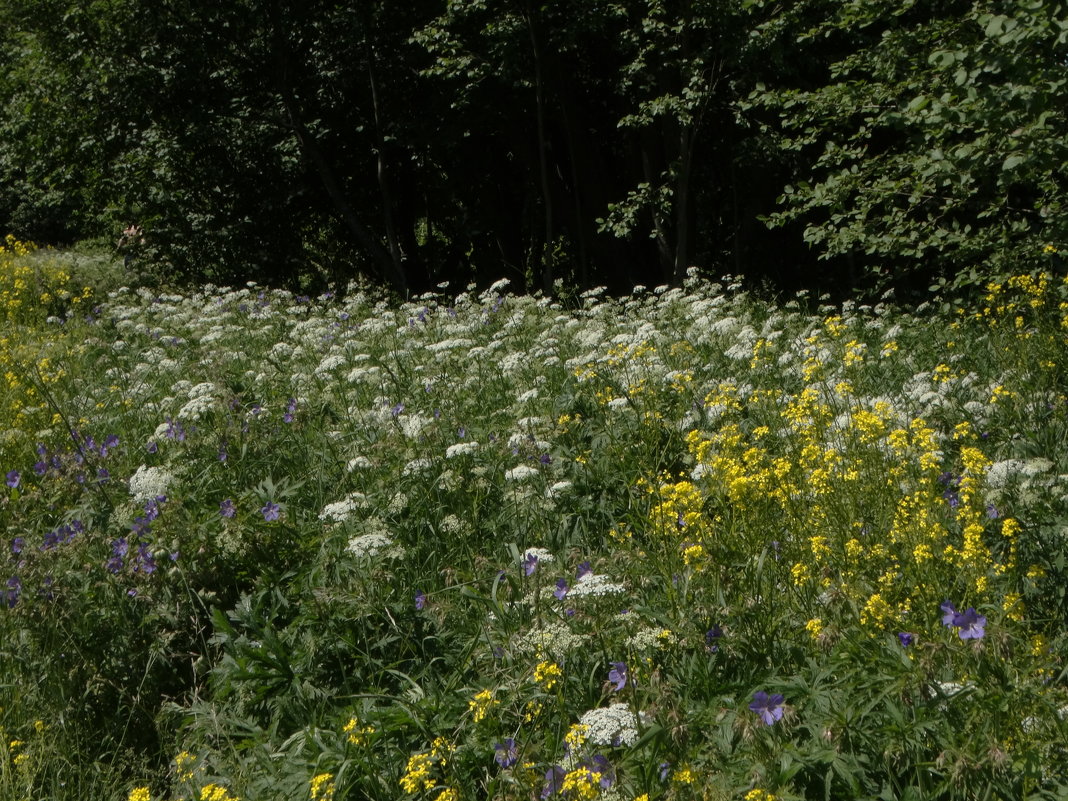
(691, 543)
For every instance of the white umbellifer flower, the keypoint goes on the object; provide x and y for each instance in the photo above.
(413, 424)
(552, 638)
(451, 344)
(370, 545)
(460, 449)
(329, 365)
(619, 403)
(358, 463)
(416, 466)
(1000, 473)
(614, 725)
(529, 395)
(650, 639)
(543, 556)
(557, 489)
(340, 511)
(520, 473)
(593, 584)
(150, 482)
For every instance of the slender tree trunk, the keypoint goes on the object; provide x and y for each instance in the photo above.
(543, 156)
(396, 254)
(682, 203)
(663, 247)
(309, 147)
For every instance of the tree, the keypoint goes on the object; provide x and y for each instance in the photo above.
(938, 143)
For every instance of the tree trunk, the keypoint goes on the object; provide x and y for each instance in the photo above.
(543, 157)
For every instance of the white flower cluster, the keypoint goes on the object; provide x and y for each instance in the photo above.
(649, 639)
(340, 511)
(150, 482)
(358, 463)
(594, 584)
(201, 400)
(520, 472)
(543, 556)
(612, 725)
(460, 449)
(552, 638)
(367, 545)
(416, 466)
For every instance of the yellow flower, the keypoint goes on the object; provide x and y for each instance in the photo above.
(416, 773)
(322, 787)
(481, 704)
(216, 792)
(581, 783)
(448, 794)
(183, 764)
(684, 775)
(814, 627)
(139, 794)
(576, 736)
(357, 734)
(547, 674)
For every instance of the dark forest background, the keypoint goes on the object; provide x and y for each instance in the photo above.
(852, 144)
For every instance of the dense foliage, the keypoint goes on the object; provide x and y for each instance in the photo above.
(680, 545)
(612, 142)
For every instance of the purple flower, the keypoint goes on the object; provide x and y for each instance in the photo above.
(397, 409)
(14, 587)
(665, 769)
(768, 707)
(530, 564)
(506, 753)
(151, 447)
(561, 590)
(599, 764)
(270, 512)
(227, 508)
(17, 545)
(13, 478)
(971, 624)
(554, 781)
(712, 638)
(420, 600)
(145, 561)
(906, 638)
(291, 409)
(618, 675)
(583, 569)
(948, 613)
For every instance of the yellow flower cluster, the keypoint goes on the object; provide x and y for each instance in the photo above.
(581, 783)
(322, 787)
(417, 773)
(547, 674)
(357, 733)
(481, 704)
(216, 792)
(139, 794)
(183, 766)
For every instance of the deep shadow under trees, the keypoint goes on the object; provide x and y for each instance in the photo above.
(615, 143)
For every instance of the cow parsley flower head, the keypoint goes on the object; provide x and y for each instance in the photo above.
(368, 545)
(150, 482)
(594, 584)
(614, 725)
